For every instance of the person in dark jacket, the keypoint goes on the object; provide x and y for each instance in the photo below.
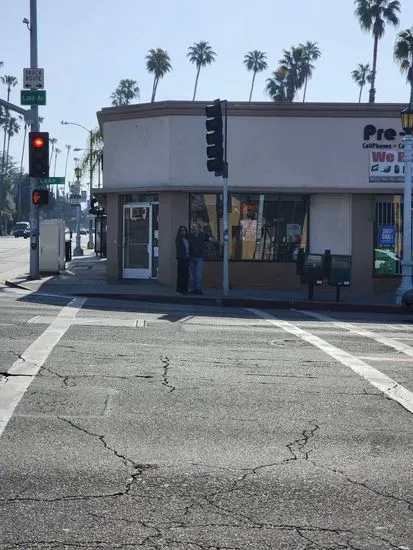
(182, 257)
(197, 241)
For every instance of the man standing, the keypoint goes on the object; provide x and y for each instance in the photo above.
(197, 241)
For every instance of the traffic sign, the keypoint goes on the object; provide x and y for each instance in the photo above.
(84, 196)
(53, 181)
(33, 97)
(33, 78)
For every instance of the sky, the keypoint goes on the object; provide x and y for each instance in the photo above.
(87, 46)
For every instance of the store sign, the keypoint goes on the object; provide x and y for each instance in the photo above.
(381, 138)
(386, 166)
(386, 235)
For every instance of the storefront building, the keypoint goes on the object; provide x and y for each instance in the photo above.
(313, 176)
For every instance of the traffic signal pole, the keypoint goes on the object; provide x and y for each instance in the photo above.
(225, 282)
(34, 210)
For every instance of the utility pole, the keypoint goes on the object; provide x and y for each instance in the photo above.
(216, 139)
(225, 283)
(34, 210)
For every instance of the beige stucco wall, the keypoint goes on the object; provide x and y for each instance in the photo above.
(306, 153)
(362, 243)
(173, 212)
(114, 236)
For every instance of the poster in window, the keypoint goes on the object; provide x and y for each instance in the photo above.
(249, 230)
(386, 235)
(293, 233)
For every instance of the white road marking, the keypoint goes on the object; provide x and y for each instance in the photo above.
(382, 382)
(34, 319)
(389, 342)
(23, 371)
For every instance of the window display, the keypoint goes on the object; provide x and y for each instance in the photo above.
(262, 227)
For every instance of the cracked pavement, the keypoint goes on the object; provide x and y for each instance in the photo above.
(197, 432)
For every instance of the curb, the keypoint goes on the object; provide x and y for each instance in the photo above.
(250, 303)
(312, 305)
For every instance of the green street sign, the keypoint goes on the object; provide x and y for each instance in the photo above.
(33, 97)
(52, 181)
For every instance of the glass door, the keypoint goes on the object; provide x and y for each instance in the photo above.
(137, 241)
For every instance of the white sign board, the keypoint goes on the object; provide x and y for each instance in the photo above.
(386, 166)
(84, 195)
(75, 202)
(33, 79)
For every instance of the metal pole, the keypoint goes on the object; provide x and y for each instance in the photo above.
(90, 244)
(406, 283)
(78, 251)
(34, 210)
(225, 284)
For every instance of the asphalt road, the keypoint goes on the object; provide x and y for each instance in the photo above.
(185, 428)
(14, 257)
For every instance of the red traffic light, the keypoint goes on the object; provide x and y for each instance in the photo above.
(38, 142)
(40, 197)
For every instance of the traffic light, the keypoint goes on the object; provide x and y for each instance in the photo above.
(39, 154)
(40, 197)
(93, 206)
(214, 138)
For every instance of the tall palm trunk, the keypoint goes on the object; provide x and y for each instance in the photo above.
(361, 91)
(155, 85)
(196, 81)
(372, 93)
(252, 84)
(305, 88)
(6, 127)
(24, 145)
(7, 152)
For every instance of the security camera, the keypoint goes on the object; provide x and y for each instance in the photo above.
(26, 21)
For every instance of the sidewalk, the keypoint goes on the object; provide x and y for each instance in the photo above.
(86, 276)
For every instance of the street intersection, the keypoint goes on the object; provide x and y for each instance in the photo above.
(161, 426)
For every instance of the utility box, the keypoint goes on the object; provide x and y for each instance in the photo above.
(52, 246)
(312, 270)
(340, 272)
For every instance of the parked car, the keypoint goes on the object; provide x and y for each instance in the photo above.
(83, 231)
(22, 229)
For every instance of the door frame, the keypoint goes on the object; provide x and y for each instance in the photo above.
(130, 272)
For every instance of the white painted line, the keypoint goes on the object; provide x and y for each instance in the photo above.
(389, 342)
(12, 388)
(382, 382)
(34, 319)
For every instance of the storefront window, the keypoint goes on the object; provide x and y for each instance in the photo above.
(388, 236)
(262, 227)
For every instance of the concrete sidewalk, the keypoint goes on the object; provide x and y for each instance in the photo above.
(86, 276)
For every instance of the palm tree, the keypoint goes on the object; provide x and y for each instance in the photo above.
(255, 61)
(158, 62)
(53, 141)
(126, 91)
(68, 147)
(291, 65)
(97, 154)
(361, 75)
(373, 15)
(57, 151)
(201, 54)
(276, 86)
(12, 130)
(311, 52)
(403, 54)
(10, 81)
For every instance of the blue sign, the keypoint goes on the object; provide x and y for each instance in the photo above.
(386, 235)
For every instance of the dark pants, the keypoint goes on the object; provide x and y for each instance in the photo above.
(182, 275)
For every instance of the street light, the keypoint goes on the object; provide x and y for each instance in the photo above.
(78, 251)
(407, 123)
(90, 244)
